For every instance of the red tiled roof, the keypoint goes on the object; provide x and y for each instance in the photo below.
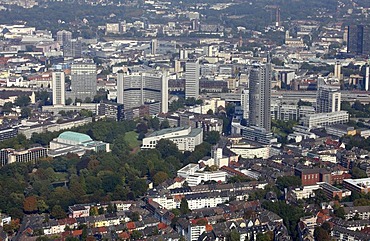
(124, 235)
(130, 225)
(101, 230)
(161, 226)
(76, 233)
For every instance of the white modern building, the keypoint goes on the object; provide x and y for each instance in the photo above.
(328, 99)
(195, 176)
(186, 138)
(248, 150)
(59, 89)
(325, 119)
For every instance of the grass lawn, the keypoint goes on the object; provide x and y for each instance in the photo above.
(60, 176)
(131, 138)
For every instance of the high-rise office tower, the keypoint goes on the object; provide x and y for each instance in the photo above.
(260, 96)
(358, 39)
(338, 70)
(72, 48)
(164, 92)
(245, 103)
(367, 77)
(83, 80)
(63, 37)
(154, 46)
(192, 70)
(59, 89)
(143, 88)
(328, 99)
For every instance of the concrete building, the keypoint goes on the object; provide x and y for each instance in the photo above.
(325, 119)
(244, 102)
(111, 110)
(72, 49)
(186, 138)
(256, 134)
(64, 37)
(59, 89)
(367, 77)
(195, 176)
(260, 96)
(83, 81)
(192, 70)
(114, 28)
(328, 99)
(74, 142)
(338, 70)
(8, 133)
(361, 185)
(340, 130)
(143, 88)
(8, 156)
(249, 150)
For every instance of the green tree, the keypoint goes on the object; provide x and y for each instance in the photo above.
(184, 206)
(340, 213)
(7, 107)
(134, 216)
(160, 177)
(164, 124)
(135, 235)
(212, 137)
(358, 173)
(167, 148)
(58, 212)
(25, 112)
(42, 206)
(233, 235)
(22, 101)
(321, 234)
(154, 123)
(268, 236)
(288, 181)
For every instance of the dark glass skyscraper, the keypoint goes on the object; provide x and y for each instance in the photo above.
(358, 41)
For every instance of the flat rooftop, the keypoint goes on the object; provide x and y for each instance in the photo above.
(167, 131)
(361, 182)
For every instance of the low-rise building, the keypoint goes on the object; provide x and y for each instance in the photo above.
(325, 119)
(9, 155)
(74, 142)
(340, 130)
(251, 150)
(79, 211)
(186, 138)
(360, 212)
(361, 185)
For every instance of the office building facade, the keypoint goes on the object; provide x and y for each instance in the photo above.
(83, 81)
(63, 37)
(328, 99)
(260, 96)
(192, 70)
(59, 90)
(358, 41)
(143, 88)
(72, 48)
